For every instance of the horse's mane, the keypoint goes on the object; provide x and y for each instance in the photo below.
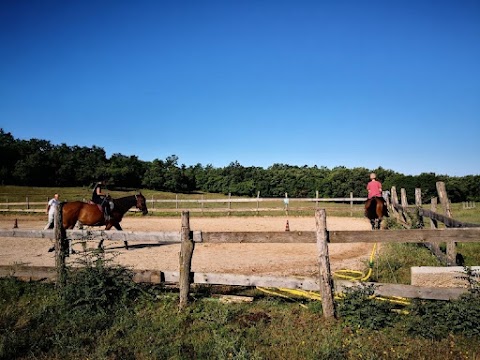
(124, 203)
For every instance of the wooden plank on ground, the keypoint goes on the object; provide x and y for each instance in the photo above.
(48, 273)
(29, 273)
(406, 291)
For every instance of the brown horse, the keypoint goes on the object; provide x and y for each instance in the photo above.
(375, 210)
(92, 215)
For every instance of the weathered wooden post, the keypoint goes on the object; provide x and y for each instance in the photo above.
(418, 204)
(186, 253)
(258, 201)
(285, 203)
(451, 245)
(435, 247)
(433, 207)
(229, 203)
(60, 247)
(326, 282)
(442, 194)
(403, 197)
(351, 203)
(394, 197)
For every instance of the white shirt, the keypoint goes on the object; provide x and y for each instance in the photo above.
(52, 205)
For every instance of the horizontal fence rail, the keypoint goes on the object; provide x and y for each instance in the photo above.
(226, 205)
(35, 273)
(278, 237)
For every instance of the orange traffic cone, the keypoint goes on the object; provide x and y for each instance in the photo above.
(15, 225)
(287, 227)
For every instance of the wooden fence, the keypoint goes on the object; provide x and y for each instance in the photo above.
(226, 206)
(324, 283)
(405, 214)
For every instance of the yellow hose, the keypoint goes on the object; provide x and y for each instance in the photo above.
(354, 275)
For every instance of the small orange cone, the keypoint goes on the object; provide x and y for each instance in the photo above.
(287, 227)
(15, 225)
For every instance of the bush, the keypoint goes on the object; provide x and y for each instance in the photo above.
(360, 309)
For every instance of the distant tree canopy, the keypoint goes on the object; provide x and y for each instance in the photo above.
(37, 162)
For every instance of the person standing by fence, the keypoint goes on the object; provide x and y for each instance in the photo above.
(51, 208)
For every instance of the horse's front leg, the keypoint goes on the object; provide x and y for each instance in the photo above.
(372, 222)
(119, 228)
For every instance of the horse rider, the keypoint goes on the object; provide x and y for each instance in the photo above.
(102, 199)
(374, 188)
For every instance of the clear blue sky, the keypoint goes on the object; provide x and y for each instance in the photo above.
(328, 83)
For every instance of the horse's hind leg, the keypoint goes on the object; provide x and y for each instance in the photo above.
(372, 222)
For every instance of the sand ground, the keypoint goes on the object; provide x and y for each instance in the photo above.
(261, 259)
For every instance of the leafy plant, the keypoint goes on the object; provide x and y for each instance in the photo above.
(359, 309)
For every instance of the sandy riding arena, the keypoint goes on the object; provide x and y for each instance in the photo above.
(271, 259)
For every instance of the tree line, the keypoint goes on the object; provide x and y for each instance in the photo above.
(38, 162)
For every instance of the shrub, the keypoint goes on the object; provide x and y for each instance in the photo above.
(360, 309)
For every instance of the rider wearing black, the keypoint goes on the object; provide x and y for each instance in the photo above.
(99, 197)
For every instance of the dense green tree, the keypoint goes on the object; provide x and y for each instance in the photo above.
(37, 162)
(126, 171)
(9, 155)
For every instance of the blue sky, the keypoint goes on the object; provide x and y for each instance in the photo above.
(328, 83)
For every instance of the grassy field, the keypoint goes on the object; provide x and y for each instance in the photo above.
(102, 314)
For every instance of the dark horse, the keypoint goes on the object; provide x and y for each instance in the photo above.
(92, 215)
(375, 210)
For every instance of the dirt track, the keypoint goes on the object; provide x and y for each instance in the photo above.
(272, 259)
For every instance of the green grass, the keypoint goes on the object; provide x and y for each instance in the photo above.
(102, 314)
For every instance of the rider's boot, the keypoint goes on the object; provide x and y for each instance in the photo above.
(106, 212)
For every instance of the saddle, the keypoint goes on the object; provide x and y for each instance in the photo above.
(104, 211)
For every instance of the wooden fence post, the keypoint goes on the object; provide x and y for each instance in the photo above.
(60, 247)
(186, 253)
(442, 194)
(229, 203)
(435, 247)
(403, 197)
(285, 203)
(396, 213)
(326, 282)
(451, 245)
(394, 196)
(351, 203)
(418, 204)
